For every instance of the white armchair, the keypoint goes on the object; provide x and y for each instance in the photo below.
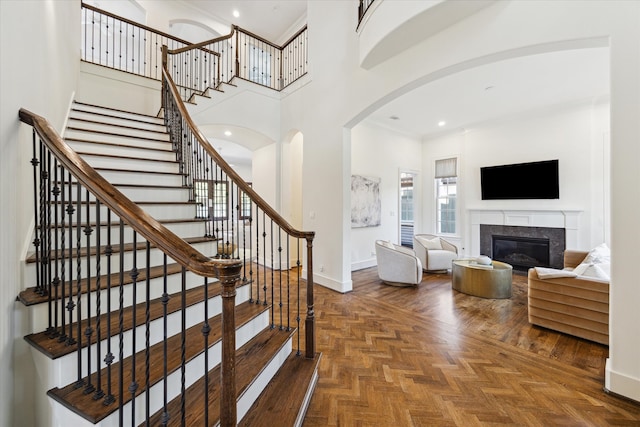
(434, 252)
(397, 266)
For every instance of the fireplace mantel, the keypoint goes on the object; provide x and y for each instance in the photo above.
(567, 219)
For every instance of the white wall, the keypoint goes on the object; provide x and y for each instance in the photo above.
(573, 134)
(39, 66)
(380, 153)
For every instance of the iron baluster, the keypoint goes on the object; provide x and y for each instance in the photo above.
(108, 359)
(70, 304)
(89, 388)
(165, 301)
(133, 386)
(99, 394)
(80, 381)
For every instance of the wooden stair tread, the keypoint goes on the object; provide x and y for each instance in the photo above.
(115, 248)
(116, 125)
(151, 186)
(119, 135)
(30, 297)
(282, 400)
(116, 156)
(139, 171)
(251, 359)
(93, 224)
(147, 116)
(168, 149)
(76, 400)
(53, 348)
(154, 121)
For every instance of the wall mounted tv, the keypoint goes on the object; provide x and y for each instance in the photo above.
(534, 180)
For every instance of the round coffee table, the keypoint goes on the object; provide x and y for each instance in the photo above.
(484, 281)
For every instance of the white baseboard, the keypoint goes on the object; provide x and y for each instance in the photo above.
(359, 265)
(621, 384)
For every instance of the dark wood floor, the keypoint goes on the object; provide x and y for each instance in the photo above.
(431, 356)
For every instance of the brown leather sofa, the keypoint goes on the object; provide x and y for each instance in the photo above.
(577, 306)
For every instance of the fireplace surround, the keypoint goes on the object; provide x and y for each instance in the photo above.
(523, 247)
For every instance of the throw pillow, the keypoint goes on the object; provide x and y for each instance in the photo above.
(601, 254)
(598, 271)
(430, 244)
(596, 264)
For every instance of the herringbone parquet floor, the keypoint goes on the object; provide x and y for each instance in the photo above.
(430, 356)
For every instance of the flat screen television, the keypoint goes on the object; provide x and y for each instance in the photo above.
(534, 180)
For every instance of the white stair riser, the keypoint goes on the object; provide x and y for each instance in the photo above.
(159, 211)
(185, 229)
(124, 114)
(178, 194)
(135, 194)
(29, 273)
(110, 119)
(159, 143)
(117, 150)
(76, 125)
(40, 313)
(136, 178)
(63, 370)
(131, 164)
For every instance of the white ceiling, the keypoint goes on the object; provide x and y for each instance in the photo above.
(499, 90)
(274, 20)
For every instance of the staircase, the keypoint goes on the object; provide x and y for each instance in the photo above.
(150, 342)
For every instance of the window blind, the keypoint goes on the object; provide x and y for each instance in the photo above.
(446, 168)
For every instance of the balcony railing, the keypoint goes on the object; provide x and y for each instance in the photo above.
(124, 45)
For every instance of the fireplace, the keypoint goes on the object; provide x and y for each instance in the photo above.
(521, 252)
(523, 247)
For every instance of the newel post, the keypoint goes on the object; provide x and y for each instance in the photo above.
(229, 275)
(310, 321)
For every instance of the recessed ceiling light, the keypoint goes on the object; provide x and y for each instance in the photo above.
(227, 133)
(394, 118)
(442, 123)
(236, 14)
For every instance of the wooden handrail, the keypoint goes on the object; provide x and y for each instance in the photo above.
(201, 44)
(235, 28)
(156, 233)
(262, 204)
(137, 24)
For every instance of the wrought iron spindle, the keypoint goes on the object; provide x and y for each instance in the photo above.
(165, 301)
(108, 359)
(99, 394)
(183, 345)
(43, 235)
(264, 258)
(206, 329)
(36, 208)
(89, 388)
(147, 335)
(70, 304)
(46, 232)
(280, 304)
(133, 387)
(63, 231)
(80, 381)
(56, 279)
(121, 327)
